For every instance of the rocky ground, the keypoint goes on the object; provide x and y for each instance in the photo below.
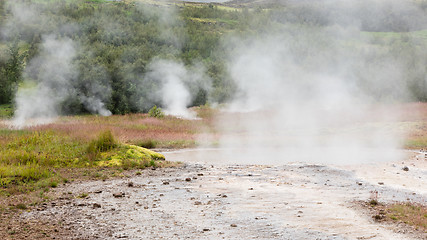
(204, 201)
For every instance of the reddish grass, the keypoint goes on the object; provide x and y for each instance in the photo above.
(128, 128)
(409, 119)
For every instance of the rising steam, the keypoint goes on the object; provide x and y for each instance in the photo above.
(48, 78)
(307, 95)
(50, 75)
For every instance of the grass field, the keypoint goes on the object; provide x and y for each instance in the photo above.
(40, 156)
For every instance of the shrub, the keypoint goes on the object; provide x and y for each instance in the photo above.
(156, 112)
(147, 143)
(21, 206)
(103, 143)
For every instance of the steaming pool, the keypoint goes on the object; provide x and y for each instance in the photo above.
(276, 156)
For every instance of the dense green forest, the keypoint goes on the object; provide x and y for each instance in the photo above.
(112, 46)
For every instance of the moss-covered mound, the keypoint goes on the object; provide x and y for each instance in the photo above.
(129, 156)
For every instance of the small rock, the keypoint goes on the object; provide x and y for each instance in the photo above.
(118, 195)
(380, 183)
(206, 229)
(251, 189)
(165, 183)
(188, 179)
(359, 183)
(98, 191)
(300, 211)
(197, 203)
(200, 174)
(96, 205)
(233, 225)
(136, 202)
(405, 168)
(130, 184)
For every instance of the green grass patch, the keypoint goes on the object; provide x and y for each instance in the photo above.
(33, 159)
(414, 143)
(6, 111)
(177, 144)
(167, 144)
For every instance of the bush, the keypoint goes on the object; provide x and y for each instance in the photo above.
(103, 143)
(156, 112)
(147, 143)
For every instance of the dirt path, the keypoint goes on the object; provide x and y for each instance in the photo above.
(202, 201)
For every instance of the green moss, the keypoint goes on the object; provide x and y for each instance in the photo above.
(129, 156)
(150, 153)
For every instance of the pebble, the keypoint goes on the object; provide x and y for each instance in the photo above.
(96, 205)
(118, 195)
(188, 179)
(130, 184)
(405, 168)
(233, 225)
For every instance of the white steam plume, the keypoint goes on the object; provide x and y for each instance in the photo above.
(307, 95)
(176, 83)
(48, 79)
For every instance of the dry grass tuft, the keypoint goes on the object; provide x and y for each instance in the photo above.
(411, 214)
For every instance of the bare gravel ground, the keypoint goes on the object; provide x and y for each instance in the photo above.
(203, 201)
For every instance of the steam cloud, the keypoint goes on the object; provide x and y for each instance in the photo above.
(177, 83)
(49, 76)
(307, 96)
